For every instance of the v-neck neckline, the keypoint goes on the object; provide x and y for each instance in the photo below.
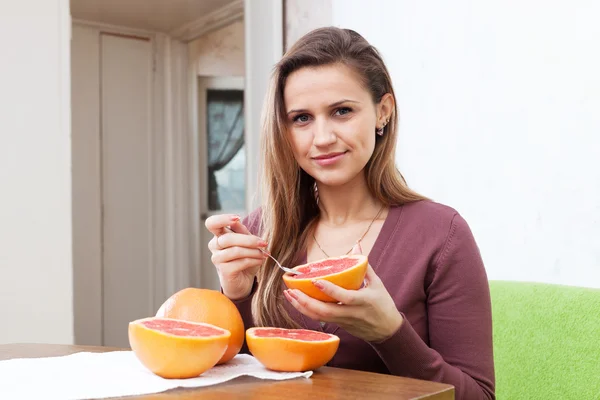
(374, 256)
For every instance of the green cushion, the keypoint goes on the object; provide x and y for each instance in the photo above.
(546, 341)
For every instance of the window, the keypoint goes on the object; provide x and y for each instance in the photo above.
(225, 149)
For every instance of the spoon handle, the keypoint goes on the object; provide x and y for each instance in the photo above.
(288, 270)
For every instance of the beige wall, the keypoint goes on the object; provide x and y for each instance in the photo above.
(36, 282)
(221, 52)
(302, 16)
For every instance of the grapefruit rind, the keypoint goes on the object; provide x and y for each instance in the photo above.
(210, 306)
(285, 354)
(176, 356)
(351, 278)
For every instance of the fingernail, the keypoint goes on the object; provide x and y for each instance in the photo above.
(262, 243)
(235, 217)
(318, 284)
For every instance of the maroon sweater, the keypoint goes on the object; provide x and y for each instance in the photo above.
(430, 263)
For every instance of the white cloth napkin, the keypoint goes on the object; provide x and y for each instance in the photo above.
(119, 373)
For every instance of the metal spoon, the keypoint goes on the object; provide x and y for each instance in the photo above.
(288, 270)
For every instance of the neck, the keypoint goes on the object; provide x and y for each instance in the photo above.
(351, 202)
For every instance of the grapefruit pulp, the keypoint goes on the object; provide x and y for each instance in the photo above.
(291, 350)
(211, 307)
(347, 272)
(175, 349)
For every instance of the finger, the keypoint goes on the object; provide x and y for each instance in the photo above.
(216, 224)
(213, 244)
(321, 310)
(235, 253)
(371, 278)
(298, 306)
(239, 265)
(357, 249)
(240, 240)
(344, 296)
(238, 227)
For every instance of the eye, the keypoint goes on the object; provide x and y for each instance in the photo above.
(343, 111)
(302, 118)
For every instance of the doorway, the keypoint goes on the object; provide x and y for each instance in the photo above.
(130, 77)
(224, 160)
(158, 145)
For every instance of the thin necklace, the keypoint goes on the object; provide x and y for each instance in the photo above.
(358, 241)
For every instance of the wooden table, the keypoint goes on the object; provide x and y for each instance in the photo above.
(326, 383)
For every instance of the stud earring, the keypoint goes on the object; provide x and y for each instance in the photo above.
(379, 131)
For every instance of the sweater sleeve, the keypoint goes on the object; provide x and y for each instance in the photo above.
(460, 350)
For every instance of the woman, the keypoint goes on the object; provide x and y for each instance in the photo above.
(331, 187)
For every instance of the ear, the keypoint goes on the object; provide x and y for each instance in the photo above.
(384, 109)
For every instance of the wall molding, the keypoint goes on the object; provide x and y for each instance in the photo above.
(217, 19)
(193, 145)
(117, 29)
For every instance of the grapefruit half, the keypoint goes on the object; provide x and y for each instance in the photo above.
(211, 307)
(176, 349)
(291, 350)
(347, 272)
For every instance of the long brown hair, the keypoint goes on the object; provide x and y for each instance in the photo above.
(290, 205)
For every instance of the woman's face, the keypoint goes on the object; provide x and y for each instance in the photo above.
(331, 121)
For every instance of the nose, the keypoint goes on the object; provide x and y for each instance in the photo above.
(323, 134)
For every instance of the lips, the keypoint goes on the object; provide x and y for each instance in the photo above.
(328, 156)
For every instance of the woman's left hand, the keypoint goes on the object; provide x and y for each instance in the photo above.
(368, 313)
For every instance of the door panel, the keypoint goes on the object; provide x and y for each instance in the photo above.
(128, 278)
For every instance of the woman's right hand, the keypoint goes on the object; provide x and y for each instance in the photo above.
(235, 254)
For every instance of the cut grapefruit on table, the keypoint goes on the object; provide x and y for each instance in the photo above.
(176, 349)
(211, 307)
(347, 272)
(291, 350)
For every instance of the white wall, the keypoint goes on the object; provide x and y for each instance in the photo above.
(302, 16)
(35, 177)
(263, 35)
(220, 52)
(499, 118)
